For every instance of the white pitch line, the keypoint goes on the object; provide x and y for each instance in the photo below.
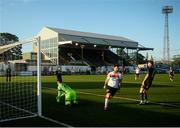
(57, 122)
(116, 97)
(123, 98)
(20, 109)
(130, 99)
(33, 115)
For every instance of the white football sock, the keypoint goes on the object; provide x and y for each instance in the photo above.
(106, 102)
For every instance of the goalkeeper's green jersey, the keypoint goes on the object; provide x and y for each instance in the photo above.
(64, 87)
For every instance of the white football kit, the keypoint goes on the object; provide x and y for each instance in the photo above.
(114, 79)
(137, 71)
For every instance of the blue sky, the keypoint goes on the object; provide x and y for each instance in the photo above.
(139, 20)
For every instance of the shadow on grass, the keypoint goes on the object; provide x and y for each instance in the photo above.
(29, 122)
(89, 112)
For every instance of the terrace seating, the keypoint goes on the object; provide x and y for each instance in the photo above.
(94, 57)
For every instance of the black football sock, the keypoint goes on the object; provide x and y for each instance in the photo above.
(142, 96)
(145, 96)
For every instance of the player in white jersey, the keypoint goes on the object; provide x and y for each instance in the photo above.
(112, 83)
(137, 75)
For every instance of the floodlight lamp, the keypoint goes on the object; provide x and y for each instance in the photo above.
(167, 9)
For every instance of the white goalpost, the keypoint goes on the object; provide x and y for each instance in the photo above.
(20, 83)
(20, 80)
(39, 93)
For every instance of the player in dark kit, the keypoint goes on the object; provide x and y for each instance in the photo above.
(58, 74)
(171, 74)
(147, 82)
(8, 73)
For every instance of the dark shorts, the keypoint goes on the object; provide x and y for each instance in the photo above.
(137, 74)
(147, 84)
(111, 90)
(8, 75)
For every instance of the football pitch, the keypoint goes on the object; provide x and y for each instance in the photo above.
(163, 109)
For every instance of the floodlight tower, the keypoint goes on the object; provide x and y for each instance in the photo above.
(166, 54)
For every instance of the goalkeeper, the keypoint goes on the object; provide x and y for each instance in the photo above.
(65, 90)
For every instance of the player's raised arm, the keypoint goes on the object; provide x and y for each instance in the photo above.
(120, 80)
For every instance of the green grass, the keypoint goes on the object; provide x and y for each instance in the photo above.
(123, 112)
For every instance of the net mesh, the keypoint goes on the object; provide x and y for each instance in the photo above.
(18, 83)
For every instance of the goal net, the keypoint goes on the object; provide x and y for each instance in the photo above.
(20, 96)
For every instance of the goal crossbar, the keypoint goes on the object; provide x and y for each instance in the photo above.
(7, 47)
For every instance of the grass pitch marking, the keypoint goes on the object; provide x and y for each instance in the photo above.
(57, 122)
(123, 98)
(20, 109)
(130, 99)
(33, 115)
